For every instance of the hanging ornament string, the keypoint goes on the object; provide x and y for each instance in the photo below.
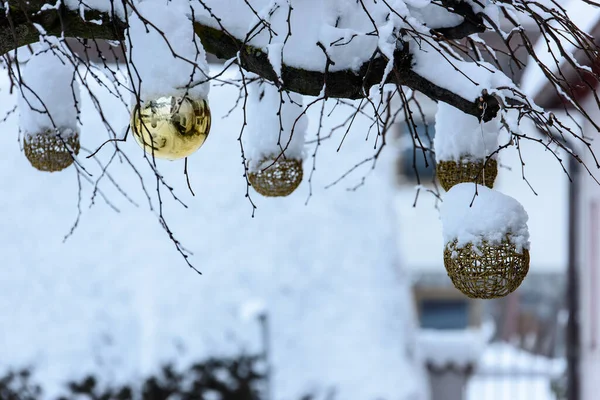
(483, 139)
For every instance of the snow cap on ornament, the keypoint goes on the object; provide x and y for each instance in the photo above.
(487, 241)
(462, 148)
(48, 107)
(171, 118)
(274, 139)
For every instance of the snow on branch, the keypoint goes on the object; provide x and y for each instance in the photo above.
(19, 23)
(18, 28)
(340, 84)
(379, 53)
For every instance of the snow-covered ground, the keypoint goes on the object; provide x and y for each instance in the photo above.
(509, 388)
(501, 371)
(507, 373)
(441, 348)
(116, 297)
(506, 359)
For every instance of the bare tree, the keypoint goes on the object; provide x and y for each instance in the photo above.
(434, 47)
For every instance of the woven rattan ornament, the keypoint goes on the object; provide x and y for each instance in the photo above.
(450, 173)
(171, 127)
(274, 139)
(50, 151)
(487, 241)
(464, 148)
(49, 106)
(276, 178)
(486, 271)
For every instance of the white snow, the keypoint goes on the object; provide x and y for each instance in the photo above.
(107, 6)
(505, 372)
(509, 388)
(325, 273)
(312, 22)
(506, 359)
(433, 15)
(116, 298)
(501, 370)
(473, 213)
(461, 136)
(49, 96)
(306, 34)
(343, 27)
(272, 128)
(454, 347)
(466, 79)
(166, 56)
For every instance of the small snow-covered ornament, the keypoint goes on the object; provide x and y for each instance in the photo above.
(276, 178)
(274, 140)
(462, 148)
(488, 271)
(487, 241)
(51, 151)
(48, 107)
(171, 118)
(171, 127)
(450, 173)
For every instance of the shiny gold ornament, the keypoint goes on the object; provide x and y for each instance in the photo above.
(51, 151)
(171, 127)
(451, 173)
(279, 178)
(486, 271)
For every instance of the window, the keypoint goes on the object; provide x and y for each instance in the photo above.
(444, 313)
(425, 169)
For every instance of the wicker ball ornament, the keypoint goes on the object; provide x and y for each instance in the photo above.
(277, 179)
(450, 173)
(51, 151)
(171, 127)
(486, 271)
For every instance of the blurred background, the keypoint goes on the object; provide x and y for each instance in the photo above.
(337, 292)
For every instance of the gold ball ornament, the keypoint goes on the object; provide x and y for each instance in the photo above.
(171, 127)
(451, 173)
(486, 271)
(277, 178)
(51, 151)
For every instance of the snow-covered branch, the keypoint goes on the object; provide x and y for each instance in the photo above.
(472, 22)
(22, 23)
(341, 84)
(373, 58)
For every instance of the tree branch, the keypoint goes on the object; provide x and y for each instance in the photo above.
(17, 25)
(17, 29)
(340, 84)
(472, 23)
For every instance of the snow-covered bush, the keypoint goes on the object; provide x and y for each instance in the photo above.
(239, 378)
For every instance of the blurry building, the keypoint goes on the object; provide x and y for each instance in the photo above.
(584, 351)
(531, 316)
